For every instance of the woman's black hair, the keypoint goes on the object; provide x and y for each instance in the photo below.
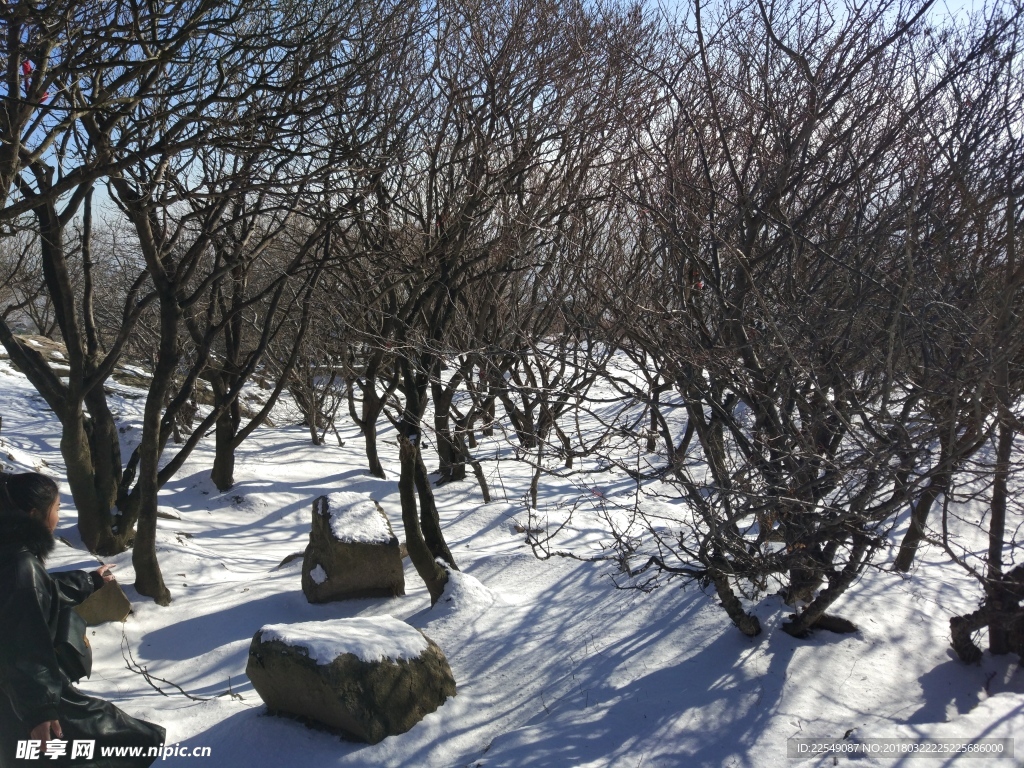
(26, 492)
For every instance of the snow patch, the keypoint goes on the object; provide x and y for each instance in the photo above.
(318, 574)
(355, 519)
(370, 639)
(134, 370)
(463, 595)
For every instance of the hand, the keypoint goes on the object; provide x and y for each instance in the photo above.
(45, 731)
(105, 574)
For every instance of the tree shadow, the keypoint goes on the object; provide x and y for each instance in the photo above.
(954, 688)
(249, 737)
(229, 624)
(706, 709)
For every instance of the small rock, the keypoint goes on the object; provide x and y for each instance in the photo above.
(108, 603)
(288, 559)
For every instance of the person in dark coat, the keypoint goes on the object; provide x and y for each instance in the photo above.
(37, 699)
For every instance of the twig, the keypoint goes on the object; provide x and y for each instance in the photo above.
(133, 666)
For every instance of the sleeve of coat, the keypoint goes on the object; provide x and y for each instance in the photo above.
(75, 586)
(30, 671)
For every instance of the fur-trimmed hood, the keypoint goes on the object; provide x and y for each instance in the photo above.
(18, 531)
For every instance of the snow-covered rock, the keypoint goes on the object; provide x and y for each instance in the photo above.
(352, 551)
(369, 639)
(365, 678)
(356, 519)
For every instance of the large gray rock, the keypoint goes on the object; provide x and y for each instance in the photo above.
(108, 603)
(352, 551)
(364, 678)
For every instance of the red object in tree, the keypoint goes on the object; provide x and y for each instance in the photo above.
(26, 73)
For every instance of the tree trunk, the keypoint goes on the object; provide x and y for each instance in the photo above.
(918, 517)
(442, 431)
(451, 463)
(433, 575)
(415, 390)
(467, 458)
(225, 430)
(998, 636)
(652, 430)
(430, 523)
(802, 623)
(105, 444)
(371, 409)
(522, 419)
(961, 628)
(94, 524)
(304, 394)
(148, 578)
(745, 622)
(372, 457)
(223, 474)
(490, 413)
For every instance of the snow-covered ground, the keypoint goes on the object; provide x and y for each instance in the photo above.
(555, 665)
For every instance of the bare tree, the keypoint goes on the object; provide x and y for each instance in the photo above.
(779, 211)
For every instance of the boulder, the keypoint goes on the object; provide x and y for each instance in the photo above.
(363, 678)
(108, 603)
(352, 551)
